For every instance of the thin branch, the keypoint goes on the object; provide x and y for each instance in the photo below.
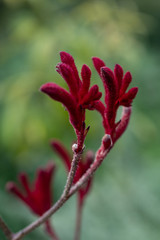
(57, 205)
(5, 229)
(97, 162)
(68, 191)
(74, 164)
(78, 222)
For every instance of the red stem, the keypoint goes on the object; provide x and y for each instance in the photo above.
(50, 231)
(78, 220)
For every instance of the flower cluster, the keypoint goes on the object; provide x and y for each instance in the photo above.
(83, 166)
(115, 85)
(79, 97)
(37, 196)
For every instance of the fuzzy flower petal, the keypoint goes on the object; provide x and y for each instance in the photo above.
(98, 64)
(115, 85)
(61, 95)
(36, 196)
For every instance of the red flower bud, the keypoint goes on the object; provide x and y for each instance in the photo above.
(98, 64)
(115, 87)
(118, 72)
(127, 98)
(125, 82)
(86, 77)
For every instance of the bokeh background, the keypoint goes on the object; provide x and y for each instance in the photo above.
(124, 203)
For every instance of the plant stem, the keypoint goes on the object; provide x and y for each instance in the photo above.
(78, 221)
(74, 164)
(50, 231)
(100, 156)
(5, 229)
(68, 191)
(19, 235)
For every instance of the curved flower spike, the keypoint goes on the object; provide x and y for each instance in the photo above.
(115, 85)
(80, 96)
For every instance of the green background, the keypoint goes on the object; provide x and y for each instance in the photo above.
(124, 203)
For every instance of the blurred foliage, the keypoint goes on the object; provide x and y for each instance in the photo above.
(124, 203)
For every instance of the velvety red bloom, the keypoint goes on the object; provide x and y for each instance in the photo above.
(79, 97)
(115, 85)
(37, 196)
(83, 166)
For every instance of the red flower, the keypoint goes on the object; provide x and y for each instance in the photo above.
(115, 85)
(36, 196)
(79, 97)
(83, 166)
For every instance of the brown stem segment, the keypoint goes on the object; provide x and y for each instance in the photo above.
(5, 229)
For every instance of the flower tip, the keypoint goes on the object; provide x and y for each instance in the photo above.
(55, 144)
(133, 91)
(136, 89)
(97, 60)
(127, 98)
(128, 76)
(118, 71)
(98, 63)
(50, 89)
(43, 87)
(107, 72)
(86, 71)
(105, 69)
(10, 186)
(65, 70)
(47, 88)
(58, 68)
(117, 66)
(127, 80)
(94, 59)
(66, 57)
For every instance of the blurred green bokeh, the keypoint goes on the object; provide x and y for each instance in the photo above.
(125, 200)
